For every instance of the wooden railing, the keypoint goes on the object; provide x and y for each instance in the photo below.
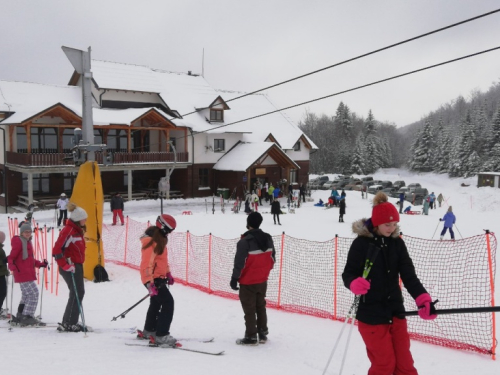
(55, 159)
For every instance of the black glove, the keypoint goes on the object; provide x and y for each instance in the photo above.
(440, 219)
(44, 264)
(234, 283)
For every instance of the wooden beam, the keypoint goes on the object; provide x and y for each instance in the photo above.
(129, 141)
(28, 138)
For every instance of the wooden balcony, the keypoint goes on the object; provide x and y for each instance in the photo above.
(55, 159)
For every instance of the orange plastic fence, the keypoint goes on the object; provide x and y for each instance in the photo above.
(307, 277)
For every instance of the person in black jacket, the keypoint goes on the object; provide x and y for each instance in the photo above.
(117, 207)
(276, 211)
(341, 210)
(381, 325)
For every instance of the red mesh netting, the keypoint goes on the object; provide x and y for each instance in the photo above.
(307, 277)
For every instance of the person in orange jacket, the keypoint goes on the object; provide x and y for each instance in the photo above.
(155, 275)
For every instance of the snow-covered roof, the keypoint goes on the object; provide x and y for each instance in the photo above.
(244, 155)
(28, 99)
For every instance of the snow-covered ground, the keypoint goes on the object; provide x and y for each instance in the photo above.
(297, 344)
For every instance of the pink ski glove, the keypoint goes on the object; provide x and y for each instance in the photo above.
(170, 279)
(360, 286)
(152, 289)
(423, 302)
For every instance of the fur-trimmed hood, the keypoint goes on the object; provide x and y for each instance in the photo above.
(364, 228)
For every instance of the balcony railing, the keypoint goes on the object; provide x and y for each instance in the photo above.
(59, 158)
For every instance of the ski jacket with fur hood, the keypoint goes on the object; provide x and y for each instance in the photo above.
(255, 257)
(384, 300)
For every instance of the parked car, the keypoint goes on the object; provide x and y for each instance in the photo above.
(391, 192)
(399, 184)
(352, 185)
(374, 188)
(342, 184)
(377, 182)
(367, 184)
(318, 182)
(404, 189)
(327, 185)
(386, 184)
(413, 186)
(367, 178)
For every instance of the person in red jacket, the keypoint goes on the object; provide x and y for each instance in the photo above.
(155, 275)
(69, 253)
(254, 260)
(22, 263)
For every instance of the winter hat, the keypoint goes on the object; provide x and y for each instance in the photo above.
(77, 213)
(254, 220)
(63, 195)
(24, 227)
(2, 237)
(383, 212)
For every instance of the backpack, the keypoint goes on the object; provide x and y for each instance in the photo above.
(100, 274)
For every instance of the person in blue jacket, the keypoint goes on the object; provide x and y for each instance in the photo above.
(276, 192)
(449, 219)
(432, 200)
(401, 201)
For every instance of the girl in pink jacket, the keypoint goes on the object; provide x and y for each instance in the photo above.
(22, 263)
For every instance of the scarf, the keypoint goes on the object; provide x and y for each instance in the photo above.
(25, 247)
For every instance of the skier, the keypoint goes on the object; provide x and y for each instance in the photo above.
(254, 259)
(248, 199)
(270, 192)
(117, 206)
(62, 203)
(384, 332)
(276, 211)
(155, 275)
(4, 272)
(342, 209)
(440, 199)
(69, 253)
(255, 201)
(302, 191)
(426, 204)
(449, 219)
(433, 200)
(22, 263)
(401, 201)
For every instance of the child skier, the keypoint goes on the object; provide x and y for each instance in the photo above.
(22, 263)
(155, 275)
(449, 219)
(381, 326)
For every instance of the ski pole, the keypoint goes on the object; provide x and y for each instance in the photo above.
(435, 229)
(459, 231)
(43, 285)
(78, 300)
(122, 315)
(7, 296)
(351, 315)
(465, 310)
(11, 295)
(353, 319)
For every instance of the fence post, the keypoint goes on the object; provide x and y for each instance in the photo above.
(492, 288)
(52, 263)
(210, 263)
(281, 269)
(335, 265)
(126, 243)
(187, 258)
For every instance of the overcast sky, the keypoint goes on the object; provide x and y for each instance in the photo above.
(251, 44)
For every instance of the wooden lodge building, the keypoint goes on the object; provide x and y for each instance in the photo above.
(136, 112)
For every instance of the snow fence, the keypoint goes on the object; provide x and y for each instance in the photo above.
(307, 277)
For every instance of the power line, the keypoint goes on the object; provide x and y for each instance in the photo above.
(355, 88)
(361, 56)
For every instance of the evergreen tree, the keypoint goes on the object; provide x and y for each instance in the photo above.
(495, 128)
(492, 164)
(358, 159)
(370, 125)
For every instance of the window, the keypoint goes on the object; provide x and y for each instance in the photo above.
(203, 177)
(173, 140)
(293, 175)
(43, 140)
(296, 147)
(216, 115)
(219, 145)
(69, 180)
(40, 183)
(117, 140)
(22, 143)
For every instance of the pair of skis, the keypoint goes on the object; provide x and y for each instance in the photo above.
(178, 345)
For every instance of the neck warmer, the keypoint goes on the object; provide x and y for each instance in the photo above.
(25, 247)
